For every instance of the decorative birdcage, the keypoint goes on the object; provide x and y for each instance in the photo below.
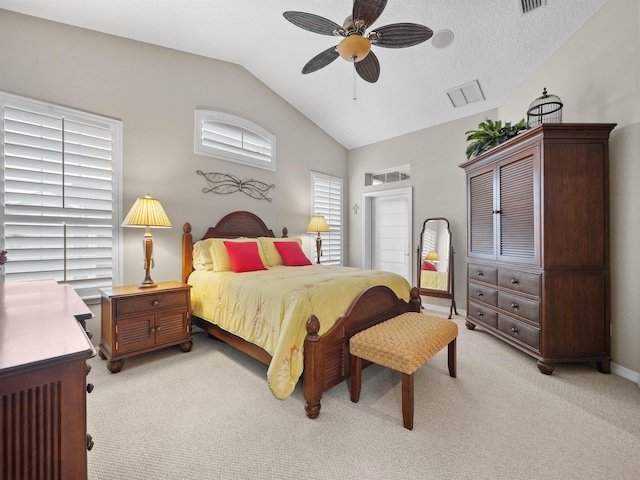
(545, 109)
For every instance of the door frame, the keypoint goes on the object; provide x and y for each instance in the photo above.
(367, 199)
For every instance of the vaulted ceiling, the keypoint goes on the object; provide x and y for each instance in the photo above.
(494, 42)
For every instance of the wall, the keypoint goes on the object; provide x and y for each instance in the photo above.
(437, 182)
(596, 74)
(154, 91)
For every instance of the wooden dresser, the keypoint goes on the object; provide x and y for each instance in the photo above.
(43, 369)
(538, 243)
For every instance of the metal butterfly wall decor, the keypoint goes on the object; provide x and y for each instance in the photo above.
(224, 183)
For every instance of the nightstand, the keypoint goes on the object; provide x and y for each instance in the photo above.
(140, 320)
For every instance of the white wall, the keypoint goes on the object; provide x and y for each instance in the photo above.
(597, 76)
(154, 91)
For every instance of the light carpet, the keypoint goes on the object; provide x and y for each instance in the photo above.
(208, 414)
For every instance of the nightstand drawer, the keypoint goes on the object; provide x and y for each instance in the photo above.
(150, 302)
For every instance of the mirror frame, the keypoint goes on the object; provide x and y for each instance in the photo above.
(449, 292)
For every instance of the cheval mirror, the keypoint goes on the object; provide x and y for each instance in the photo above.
(435, 261)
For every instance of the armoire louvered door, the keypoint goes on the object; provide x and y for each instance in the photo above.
(538, 262)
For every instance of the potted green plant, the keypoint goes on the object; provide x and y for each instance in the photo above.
(491, 134)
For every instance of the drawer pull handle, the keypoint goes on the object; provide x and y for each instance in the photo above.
(88, 369)
(514, 330)
(480, 294)
(89, 387)
(496, 211)
(155, 303)
(480, 314)
(514, 305)
(89, 442)
(480, 274)
(514, 281)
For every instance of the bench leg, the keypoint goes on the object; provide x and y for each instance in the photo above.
(407, 400)
(356, 378)
(452, 358)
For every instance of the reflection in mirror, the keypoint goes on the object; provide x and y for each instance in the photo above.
(435, 261)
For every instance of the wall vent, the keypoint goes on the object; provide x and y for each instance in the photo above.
(529, 5)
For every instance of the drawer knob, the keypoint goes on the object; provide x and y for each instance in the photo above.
(153, 330)
(158, 329)
(155, 303)
(89, 442)
(514, 281)
(514, 330)
(514, 305)
(480, 314)
(90, 387)
(480, 294)
(496, 211)
(480, 274)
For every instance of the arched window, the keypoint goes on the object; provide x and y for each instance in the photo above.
(235, 139)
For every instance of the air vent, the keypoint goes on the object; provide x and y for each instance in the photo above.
(529, 5)
(467, 93)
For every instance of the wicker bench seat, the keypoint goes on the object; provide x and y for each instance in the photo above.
(403, 343)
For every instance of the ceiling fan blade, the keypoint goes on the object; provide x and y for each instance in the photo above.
(400, 35)
(312, 23)
(369, 68)
(321, 60)
(367, 11)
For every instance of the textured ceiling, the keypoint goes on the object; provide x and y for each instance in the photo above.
(495, 43)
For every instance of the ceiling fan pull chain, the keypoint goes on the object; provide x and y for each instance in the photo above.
(354, 81)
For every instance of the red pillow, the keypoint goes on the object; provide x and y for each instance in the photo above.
(244, 256)
(292, 254)
(428, 266)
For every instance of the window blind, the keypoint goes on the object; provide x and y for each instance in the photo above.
(327, 201)
(60, 195)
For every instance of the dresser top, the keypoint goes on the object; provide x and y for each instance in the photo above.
(38, 324)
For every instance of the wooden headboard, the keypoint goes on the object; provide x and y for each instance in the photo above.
(234, 225)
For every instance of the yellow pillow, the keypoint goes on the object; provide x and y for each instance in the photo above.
(271, 256)
(220, 256)
(201, 257)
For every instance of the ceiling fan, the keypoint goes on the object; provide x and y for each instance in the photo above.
(355, 46)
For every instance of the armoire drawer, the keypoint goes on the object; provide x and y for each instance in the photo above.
(524, 333)
(483, 273)
(483, 294)
(529, 309)
(483, 314)
(528, 283)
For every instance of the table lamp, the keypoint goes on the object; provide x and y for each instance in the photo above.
(147, 212)
(316, 225)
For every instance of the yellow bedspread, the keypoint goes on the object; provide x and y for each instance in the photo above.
(434, 280)
(270, 308)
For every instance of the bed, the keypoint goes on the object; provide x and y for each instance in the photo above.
(310, 341)
(434, 280)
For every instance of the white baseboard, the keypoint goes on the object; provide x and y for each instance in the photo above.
(625, 373)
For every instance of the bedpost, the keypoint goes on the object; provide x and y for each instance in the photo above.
(187, 252)
(285, 232)
(312, 375)
(416, 300)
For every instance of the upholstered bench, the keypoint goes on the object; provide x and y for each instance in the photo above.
(403, 343)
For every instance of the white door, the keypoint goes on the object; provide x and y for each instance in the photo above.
(387, 231)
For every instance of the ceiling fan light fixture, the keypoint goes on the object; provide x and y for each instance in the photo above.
(354, 48)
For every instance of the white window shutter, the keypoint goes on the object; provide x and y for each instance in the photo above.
(327, 201)
(61, 195)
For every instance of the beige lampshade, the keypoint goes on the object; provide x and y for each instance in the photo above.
(432, 256)
(318, 224)
(146, 212)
